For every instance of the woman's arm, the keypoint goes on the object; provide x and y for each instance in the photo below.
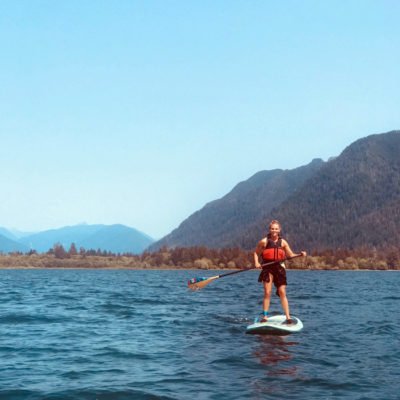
(288, 250)
(260, 247)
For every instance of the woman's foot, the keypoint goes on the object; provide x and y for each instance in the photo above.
(264, 316)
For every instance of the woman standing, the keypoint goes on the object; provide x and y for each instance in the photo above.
(274, 248)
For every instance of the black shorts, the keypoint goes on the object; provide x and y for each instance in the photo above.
(277, 271)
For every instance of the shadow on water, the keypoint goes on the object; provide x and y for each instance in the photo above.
(274, 351)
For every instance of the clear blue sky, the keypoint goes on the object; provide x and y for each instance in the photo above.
(141, 112)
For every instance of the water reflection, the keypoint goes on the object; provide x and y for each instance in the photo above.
(273, 351)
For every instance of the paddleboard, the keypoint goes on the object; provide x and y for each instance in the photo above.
(276, 324)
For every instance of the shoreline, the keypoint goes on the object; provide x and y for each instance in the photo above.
(146, 263)
(9, 268)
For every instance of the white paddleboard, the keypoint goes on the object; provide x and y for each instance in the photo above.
(276, 324)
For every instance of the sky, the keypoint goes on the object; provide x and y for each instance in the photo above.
(141, 112)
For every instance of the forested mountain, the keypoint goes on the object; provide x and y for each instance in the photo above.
(353, 201)
(222, 222)
(113, 238)
(348, 202)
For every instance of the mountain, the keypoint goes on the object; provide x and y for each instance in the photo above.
(218, 222)
(114, 238)
(119, 238)
(43, 241)
(7, 233)
(19, 234)
(350, 201)
(8, 245)
(353, 201)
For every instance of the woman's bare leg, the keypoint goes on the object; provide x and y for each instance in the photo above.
(284, 300)
(267, 293)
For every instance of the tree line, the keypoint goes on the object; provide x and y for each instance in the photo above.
(200, 257)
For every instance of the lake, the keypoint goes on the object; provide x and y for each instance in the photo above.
(126, 334)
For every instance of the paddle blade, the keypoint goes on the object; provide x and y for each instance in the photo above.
(199, 283)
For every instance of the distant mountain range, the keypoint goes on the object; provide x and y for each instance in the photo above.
(114, 238)
(348, 202)
(9, 244)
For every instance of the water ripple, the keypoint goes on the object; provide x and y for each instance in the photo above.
(106, 334)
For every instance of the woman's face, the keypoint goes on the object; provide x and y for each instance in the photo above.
(274, 230)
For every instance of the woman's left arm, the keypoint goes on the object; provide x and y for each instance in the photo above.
(288, 250)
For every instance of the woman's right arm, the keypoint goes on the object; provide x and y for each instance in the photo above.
(257, 252)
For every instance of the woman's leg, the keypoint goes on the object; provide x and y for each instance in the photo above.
(284, 300)
(267, 294)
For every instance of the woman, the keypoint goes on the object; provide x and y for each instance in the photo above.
(274, 248)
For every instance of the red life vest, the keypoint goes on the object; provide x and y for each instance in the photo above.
(273, 251)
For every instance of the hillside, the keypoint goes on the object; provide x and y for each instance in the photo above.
(43, 241)
(119, 238)
(6, 233)
(219, 221)
(351, 201)
(114, 238)
(8, 245)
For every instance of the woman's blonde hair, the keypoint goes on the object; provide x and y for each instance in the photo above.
(274, 222)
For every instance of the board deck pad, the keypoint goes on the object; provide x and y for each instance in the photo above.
(276, 324)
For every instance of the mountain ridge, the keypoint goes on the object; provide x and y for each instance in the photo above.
(350, 201)
(234, 208)
(332, 207)
(8, 245)
(355, 191)
(115, 238)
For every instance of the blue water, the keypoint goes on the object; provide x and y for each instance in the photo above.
(113, 334)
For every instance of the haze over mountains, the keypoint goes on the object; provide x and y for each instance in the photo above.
(349, 202)
(114, 238)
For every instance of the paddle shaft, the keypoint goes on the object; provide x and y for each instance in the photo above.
(262, 265)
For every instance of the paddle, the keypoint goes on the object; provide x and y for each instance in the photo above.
(199, 283)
